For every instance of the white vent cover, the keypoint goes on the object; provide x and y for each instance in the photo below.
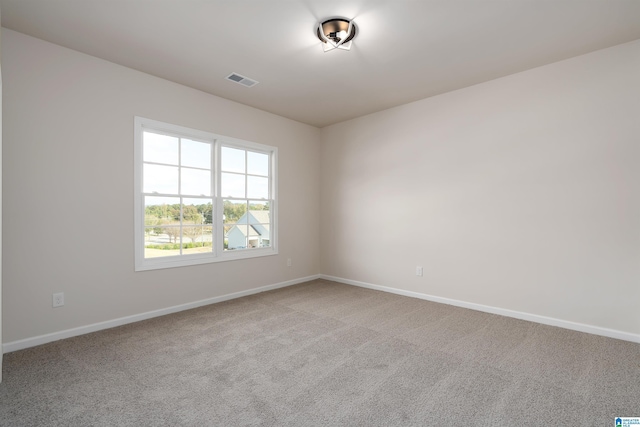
(241, 80)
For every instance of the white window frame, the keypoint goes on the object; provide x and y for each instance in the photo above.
(218, 253)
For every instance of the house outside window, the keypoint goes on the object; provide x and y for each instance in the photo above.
(250, 231)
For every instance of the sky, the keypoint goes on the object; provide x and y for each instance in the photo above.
(172, 162)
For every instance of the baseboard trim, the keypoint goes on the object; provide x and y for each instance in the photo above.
(68, 333)
(581, 327)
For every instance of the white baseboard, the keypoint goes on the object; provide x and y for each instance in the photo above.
(590, 329)
(55, 336)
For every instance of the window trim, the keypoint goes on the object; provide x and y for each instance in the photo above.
(218, 253)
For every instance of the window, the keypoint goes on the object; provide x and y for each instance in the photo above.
(201, 197)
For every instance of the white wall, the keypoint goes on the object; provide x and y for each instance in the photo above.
(68, 190)
(0, 211)
(522, 193)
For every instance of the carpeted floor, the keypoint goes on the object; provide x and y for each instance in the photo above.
(323, 354)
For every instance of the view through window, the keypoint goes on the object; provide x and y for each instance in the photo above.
(202, 197)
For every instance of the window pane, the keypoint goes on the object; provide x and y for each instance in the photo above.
(191, 214)
(198, 211)
(163, 237)
(192, 233)
(234, 211)
(162, 226)
(195, 182)
(195, 154)
(197, 228)
(259, 224)
(259, 212)
(156, 250)
(257, 163)
(257, 187)
(161, 210)
(232, 185)
(160, 148)
(162, 240)
(160, 179)
(196, 239)
(172, 232)
(232, 160)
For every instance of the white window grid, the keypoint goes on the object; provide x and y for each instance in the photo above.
(217, 253)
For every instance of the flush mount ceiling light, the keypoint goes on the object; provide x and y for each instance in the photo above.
(336, 33)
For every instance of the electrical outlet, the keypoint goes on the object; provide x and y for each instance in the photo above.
(288, 262)
(418, 271)
(58, 299)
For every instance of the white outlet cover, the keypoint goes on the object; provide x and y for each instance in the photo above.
(58, 299)
(418, 271)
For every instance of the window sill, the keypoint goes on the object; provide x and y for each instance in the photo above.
(197, 259)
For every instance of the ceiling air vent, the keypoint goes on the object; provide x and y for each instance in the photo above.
(241, 80)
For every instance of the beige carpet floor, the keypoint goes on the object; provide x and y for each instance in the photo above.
(324, 354)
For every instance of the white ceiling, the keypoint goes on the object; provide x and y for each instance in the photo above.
(405, 50)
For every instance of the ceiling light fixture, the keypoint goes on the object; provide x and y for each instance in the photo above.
(336, 33)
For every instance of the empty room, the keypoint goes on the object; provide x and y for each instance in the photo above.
(320, 213)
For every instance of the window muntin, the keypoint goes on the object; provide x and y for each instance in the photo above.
(201, 197)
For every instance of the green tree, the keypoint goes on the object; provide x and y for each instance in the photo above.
(190, 213)
(207, 212)
(233, 211)
(259, 207)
